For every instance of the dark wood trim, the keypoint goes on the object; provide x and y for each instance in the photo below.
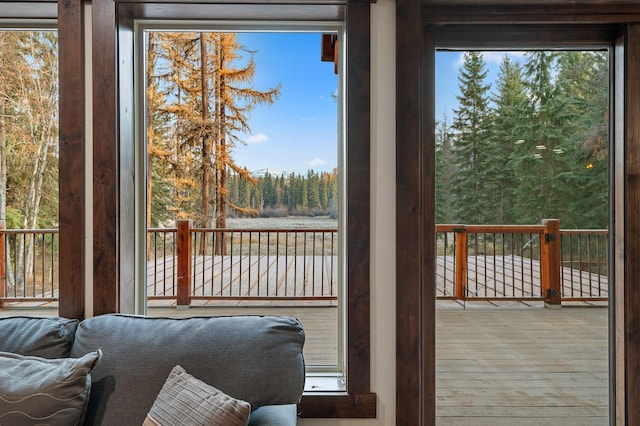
(105, 159)
(358, 198)
(631, 222)
(338, 406)
(415, 221)
(531, 14)
(72, 175)
(478, 36)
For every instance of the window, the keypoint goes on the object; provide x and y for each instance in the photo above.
(521, 137)
(418, 155)
(29, 154)
(118, 293)
(244, 145)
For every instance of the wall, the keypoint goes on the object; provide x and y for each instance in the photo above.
(383, 218)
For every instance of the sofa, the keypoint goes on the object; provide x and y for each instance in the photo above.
(236, 364)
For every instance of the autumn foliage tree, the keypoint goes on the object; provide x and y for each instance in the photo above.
(204, 82)
(28, 135)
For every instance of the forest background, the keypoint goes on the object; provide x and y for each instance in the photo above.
(530, 145)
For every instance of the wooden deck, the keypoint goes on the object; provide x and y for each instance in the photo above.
(235, 277)
(507, 366)
(498, 363)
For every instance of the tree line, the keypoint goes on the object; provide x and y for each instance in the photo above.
(531, 146)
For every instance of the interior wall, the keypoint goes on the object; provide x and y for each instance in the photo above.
(383, 15)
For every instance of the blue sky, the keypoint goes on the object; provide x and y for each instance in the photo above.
(299, 131)
(448, 65)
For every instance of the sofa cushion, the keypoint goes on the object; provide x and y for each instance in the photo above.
(36, 390)
(47, 337)
(187, 401)
(275, 415)
(257, 359)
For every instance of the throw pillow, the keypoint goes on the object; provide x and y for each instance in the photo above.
(36, 390)
(187, 401)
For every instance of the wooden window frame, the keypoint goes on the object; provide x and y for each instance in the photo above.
(113, 279)
(533, 26)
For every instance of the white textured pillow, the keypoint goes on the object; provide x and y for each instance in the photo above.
(36, 390)
(187, 401)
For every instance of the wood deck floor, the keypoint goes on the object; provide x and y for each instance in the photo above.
(250, 276)
(504, 367)
(498, 363)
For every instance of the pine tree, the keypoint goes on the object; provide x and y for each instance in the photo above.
(583, 86)
(471, 124)
(445, 171)
(507, 137)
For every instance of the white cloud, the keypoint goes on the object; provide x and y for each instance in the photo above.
(257, 138)
(316, 162)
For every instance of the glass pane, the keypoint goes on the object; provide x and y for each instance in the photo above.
(29, 169)
(243, 141)
(521, 146)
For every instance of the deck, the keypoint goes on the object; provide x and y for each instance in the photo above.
(311, 280)
(498, 363)
(505, 366)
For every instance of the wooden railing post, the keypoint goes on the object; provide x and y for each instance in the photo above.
(184, 254)
(461, 262)
(3, 274)
(550, 263)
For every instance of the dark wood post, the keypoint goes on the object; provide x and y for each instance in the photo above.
(184, 254)
(550, 263)
(3, 275)
(461, 263)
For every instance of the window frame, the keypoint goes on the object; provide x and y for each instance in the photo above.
(477, 26)
(324, 377)
(114, 172)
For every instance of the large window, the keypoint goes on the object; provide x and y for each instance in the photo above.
(242, 150)
(29, 166)
(522, 141)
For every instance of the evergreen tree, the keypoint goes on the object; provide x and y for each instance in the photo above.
(507, 136)
(313, 190)
(471, 124)
(445, 171)
(583, 84)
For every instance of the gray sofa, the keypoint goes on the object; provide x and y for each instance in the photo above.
(257, 359)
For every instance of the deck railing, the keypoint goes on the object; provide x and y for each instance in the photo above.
(28, 264)
(533, 262)
(188, 263)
